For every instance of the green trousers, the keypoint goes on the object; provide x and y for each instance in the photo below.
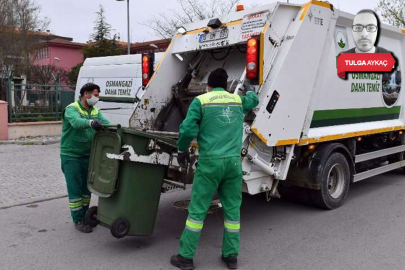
(225, 176)
(75, 171)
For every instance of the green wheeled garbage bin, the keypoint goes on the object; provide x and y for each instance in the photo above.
(126, 171)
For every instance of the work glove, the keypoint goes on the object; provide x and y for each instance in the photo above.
(251, 89)
(96, 124)
(183, 158)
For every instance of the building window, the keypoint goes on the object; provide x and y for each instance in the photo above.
(42, 53)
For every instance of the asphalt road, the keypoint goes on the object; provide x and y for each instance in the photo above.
(366, 233)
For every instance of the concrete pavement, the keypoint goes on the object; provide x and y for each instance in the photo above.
(30, 173)
(367, 232)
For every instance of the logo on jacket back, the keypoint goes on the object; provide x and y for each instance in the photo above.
(227, 116)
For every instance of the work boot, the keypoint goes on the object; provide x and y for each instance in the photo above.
(231, 261)
(82, 227)
(181, 262)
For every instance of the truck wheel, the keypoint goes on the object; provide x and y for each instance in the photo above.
(120, 227)
(334, 179)
(91, 216)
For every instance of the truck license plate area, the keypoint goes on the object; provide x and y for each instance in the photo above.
(215, 35)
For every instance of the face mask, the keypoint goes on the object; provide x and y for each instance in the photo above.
(92, 101)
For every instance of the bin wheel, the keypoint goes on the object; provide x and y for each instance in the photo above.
(91, 216)
(120, 227)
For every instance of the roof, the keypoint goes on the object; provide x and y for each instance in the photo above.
(47, 35)
(142, 47)
(65, 42)
(123, 43)
(60, 42)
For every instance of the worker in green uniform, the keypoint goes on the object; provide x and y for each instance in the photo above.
(81, 120)
(216, 119)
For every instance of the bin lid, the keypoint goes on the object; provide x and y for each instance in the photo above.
(103, 171)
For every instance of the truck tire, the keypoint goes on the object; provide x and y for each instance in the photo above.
(334, 180)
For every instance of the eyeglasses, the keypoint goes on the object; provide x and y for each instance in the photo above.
(371, 28)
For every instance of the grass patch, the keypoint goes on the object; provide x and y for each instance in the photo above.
(28, 143)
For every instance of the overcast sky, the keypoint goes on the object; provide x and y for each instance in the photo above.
(75, 18)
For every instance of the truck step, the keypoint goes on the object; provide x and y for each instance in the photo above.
(379, 170)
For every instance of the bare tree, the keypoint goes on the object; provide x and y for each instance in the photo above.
(166, 24)
(19, 19)
(47, 74)
(392, 11)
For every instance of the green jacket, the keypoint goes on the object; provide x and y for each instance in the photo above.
(77, 134)
(216, 119)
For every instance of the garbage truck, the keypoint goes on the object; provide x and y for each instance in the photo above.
(311, 129)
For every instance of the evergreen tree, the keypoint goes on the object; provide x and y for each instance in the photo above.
(103, 44)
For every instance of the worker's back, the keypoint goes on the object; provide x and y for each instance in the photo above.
(216, 119)
(221, 124)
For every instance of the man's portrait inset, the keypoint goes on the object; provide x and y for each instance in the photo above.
(365, 33)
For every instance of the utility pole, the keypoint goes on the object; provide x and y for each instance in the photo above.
(129, 39)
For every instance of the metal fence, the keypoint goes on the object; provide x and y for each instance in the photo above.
(35, 102)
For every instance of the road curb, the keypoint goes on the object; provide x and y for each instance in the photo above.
(30, 142)
(27, 202)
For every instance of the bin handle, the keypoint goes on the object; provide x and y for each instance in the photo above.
(112, 126)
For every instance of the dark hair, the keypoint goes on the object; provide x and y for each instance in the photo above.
(218, 78)
(369, 11)
(89, 87)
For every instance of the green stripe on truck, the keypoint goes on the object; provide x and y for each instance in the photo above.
(118, 99)
(352, 116)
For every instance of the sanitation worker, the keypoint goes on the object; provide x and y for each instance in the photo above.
(216, 119)
(81, 120)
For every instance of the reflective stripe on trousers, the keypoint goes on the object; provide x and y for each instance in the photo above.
(86, 200)
(194, 225)
(232, 226)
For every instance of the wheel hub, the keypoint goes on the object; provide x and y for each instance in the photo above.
(336, 181)
(121, 228)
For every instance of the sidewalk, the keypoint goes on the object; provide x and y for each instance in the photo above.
(30, 173)
(38, 140)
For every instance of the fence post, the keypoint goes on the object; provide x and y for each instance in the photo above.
(10, 99)
(56, 100)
